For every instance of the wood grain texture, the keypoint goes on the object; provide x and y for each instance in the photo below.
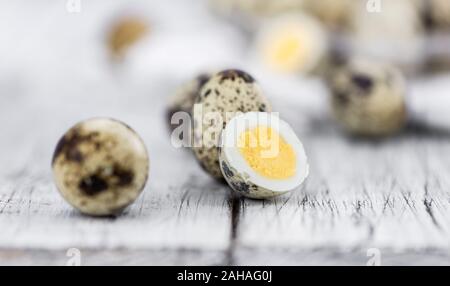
(390, 194)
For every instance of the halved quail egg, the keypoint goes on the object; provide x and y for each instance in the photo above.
(261, 156)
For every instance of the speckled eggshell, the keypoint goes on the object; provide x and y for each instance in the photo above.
(242, 186)
(227, 91)
(185, 96)
(100, 166)
(368, 98)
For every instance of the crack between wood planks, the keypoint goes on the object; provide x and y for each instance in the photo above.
(8, 200)
(235, 206)
(428, 203)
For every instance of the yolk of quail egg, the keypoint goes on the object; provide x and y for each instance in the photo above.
(259, 141)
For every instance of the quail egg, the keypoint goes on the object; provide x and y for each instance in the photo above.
(368, 98)
(100, 166)
(125, 33)
(293, 43)
(226, 94)
(261, 156)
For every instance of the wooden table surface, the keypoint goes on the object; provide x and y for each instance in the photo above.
(389, 197)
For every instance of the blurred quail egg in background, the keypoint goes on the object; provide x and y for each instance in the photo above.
(291, 43)
(436, 14)
(368, 98)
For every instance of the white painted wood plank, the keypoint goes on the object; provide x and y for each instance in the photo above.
(391, 194)
(328, 256)
(114, 257)
(180, 208)
(332, 256)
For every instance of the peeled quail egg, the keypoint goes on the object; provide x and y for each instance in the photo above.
(100, 166)
(261, 156)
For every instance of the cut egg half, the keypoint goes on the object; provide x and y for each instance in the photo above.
(261, 156)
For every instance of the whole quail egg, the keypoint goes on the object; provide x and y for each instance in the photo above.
(100, 166)
(226, 94)
(368, 98)
(124, 33)
(292, 43)
(261, 156)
